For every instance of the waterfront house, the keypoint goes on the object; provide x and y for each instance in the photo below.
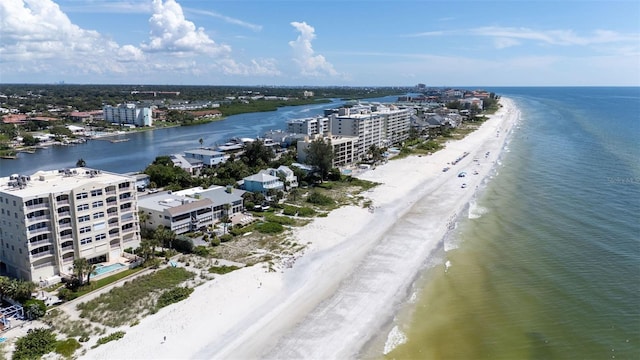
(207, 156)
(262, 182)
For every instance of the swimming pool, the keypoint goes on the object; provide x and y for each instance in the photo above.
(103, 269)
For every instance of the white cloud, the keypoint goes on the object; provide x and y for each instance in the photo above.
(303, 54)
(227, 19)
(171, 32)
(503, 42)
(40, 36)
(555, 37)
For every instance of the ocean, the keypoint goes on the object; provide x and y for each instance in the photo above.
(546, 262)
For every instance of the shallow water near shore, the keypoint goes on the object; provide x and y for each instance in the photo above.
(546, 264)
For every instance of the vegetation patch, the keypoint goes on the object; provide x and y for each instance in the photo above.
(122, 304)
(317, 198)
(36, 343)
(173, 296)
(223, 269)
(270, 228)
(111, 337)
(67, 347)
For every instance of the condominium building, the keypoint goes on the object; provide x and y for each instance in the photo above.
(368, 126)
(344, 148)
(309, 126)
(51, 218)
(128, 114)
(397, 122)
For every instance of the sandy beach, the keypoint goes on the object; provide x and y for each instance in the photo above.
(357, 269)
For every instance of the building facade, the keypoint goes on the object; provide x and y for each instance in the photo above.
(309, 126)
(128, 114)
(51, 218)
(366, 125)
(344, 149)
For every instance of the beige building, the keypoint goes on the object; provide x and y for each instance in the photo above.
(50, 218)
(344, 149)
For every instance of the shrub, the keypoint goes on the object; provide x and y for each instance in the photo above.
(201, 250)
(319, 199)
(226, 237)
(36, 343)
(223, 269)
(173, 296)
(111, 337)
(270, 228)
(67, 347)
(306, 211)
(282, 220)
(35, 309)
(290, 210)
(215, 242)
(183, 244)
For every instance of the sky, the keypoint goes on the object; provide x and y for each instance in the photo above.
(321, 42)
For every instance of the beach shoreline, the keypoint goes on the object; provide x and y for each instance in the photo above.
(356, 271)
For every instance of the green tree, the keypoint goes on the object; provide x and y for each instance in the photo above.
(320, 154)
(201, 141)
(81, 163)
(29, 140)
(36, 343)
(256, 154)
(80, 267)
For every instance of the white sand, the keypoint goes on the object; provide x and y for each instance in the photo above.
(357, 269)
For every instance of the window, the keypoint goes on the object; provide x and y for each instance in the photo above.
(82, 195)
(85, 241)
(101, 237)
(98, 215)
(84, 218)
(96, 204)
(99, 226)
(85, 229)
(96, 192)
(83, 207)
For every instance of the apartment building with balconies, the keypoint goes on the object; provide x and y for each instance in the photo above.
(53, 217)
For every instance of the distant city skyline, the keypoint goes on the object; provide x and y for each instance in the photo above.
(321, 43)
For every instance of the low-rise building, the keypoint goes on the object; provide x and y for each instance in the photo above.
(179, 213)
(207, 156)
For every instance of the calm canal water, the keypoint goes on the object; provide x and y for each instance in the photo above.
(143, 147)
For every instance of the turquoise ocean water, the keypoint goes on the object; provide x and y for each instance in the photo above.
(546, 264)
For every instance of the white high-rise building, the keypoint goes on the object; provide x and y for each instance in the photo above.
(128, 114)
(365, 125)
(309, 126)
(51, 218)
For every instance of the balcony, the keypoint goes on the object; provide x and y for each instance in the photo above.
(40, 243)
(38, 231)
(64, 213)
(66, 237)
(37, 206)
(42, 254)
(64, 226)
(63, 202)
(33, 219)
(67, 248)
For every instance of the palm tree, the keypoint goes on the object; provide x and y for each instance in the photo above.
(143, 217)
(80, 267)
(201, 141)
(91, 269)
(81, 163)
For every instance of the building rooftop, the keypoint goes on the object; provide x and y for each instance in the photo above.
(52, 181)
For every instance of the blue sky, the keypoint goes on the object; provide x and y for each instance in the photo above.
(314, 42)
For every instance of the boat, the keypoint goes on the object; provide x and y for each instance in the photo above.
(119, 140)
(11, 157)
